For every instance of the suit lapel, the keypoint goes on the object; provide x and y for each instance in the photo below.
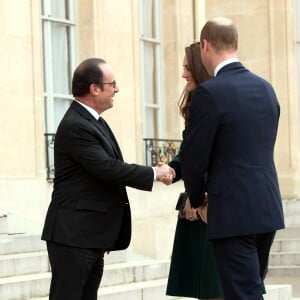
(111, 141)
(110, 138)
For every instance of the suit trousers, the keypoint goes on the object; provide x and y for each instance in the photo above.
(242, 263)
(76, 272)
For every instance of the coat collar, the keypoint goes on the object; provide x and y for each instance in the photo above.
(224, 63)
(230, 66)
(82, 111)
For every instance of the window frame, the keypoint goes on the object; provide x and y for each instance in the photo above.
(156, 42)
(298, 47)
(49, 94)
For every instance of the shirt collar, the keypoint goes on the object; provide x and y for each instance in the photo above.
(89, 109)
(224, 63)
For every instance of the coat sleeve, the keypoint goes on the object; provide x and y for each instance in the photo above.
(175, 163)
(196, 152)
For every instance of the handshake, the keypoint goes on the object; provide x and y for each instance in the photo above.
(164, 173)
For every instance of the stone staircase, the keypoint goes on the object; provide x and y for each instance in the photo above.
(285, 256)
(284, 264)
(25, 272)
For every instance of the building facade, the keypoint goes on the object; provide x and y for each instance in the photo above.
(143, 40)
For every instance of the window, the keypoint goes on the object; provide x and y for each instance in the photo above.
(59, 58)
(58, 62)
(298, 45)
(152, 96)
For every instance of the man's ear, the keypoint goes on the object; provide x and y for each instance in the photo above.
(205, 45)
(94, 89)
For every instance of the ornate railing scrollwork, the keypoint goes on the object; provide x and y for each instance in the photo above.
(50, 137)
(160, 150)
(156, 150)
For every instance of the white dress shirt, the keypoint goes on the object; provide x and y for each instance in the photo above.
(224, 63)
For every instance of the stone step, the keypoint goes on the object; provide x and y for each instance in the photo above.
(132, 271)
(292, 212)
(289, 232)
(115, 257)
(284, 259)
(24, 286)
(294, 281)
(148, 290)
(20, 243)
(23, 263)
(37, 285)
(38, 262)
(278, 292)
(286, 245)
(292, 271)
(11, 223)
(3, 223)
(156, 289)
(20, 252)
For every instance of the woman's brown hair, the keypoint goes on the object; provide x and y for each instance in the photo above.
(199, 75)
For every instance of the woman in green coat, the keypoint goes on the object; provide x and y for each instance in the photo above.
(194, 278)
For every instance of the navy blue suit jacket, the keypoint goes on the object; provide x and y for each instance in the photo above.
(90, 207)
(231, 134)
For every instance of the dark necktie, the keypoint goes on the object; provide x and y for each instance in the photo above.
(109, 135)
(103, 125)
(106, 130)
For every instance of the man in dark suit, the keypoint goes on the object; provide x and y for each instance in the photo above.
(89, 213)
(231, 136)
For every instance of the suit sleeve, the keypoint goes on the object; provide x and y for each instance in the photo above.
(196, 152)
(83, 145)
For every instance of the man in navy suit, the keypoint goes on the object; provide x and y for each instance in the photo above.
(90, 213)
(231, 136)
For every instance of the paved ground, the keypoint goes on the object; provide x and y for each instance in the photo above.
(295, 282)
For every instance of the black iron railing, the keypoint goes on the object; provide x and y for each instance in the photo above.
(49, 137)
(160, 150)
(156, 150)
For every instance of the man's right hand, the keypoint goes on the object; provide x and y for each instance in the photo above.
(164, 173)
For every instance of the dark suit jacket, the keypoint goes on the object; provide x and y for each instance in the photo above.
(231, 134)
(89, 206)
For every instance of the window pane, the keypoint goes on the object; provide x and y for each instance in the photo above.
(151, 126)
(59, 9)
(151, 68)
(298, 21)
(60, 107)
(150, 71)
(148, 17)
(298, 45)
(44, 58)
(56, 108)
(60, 62)
(43, 7)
